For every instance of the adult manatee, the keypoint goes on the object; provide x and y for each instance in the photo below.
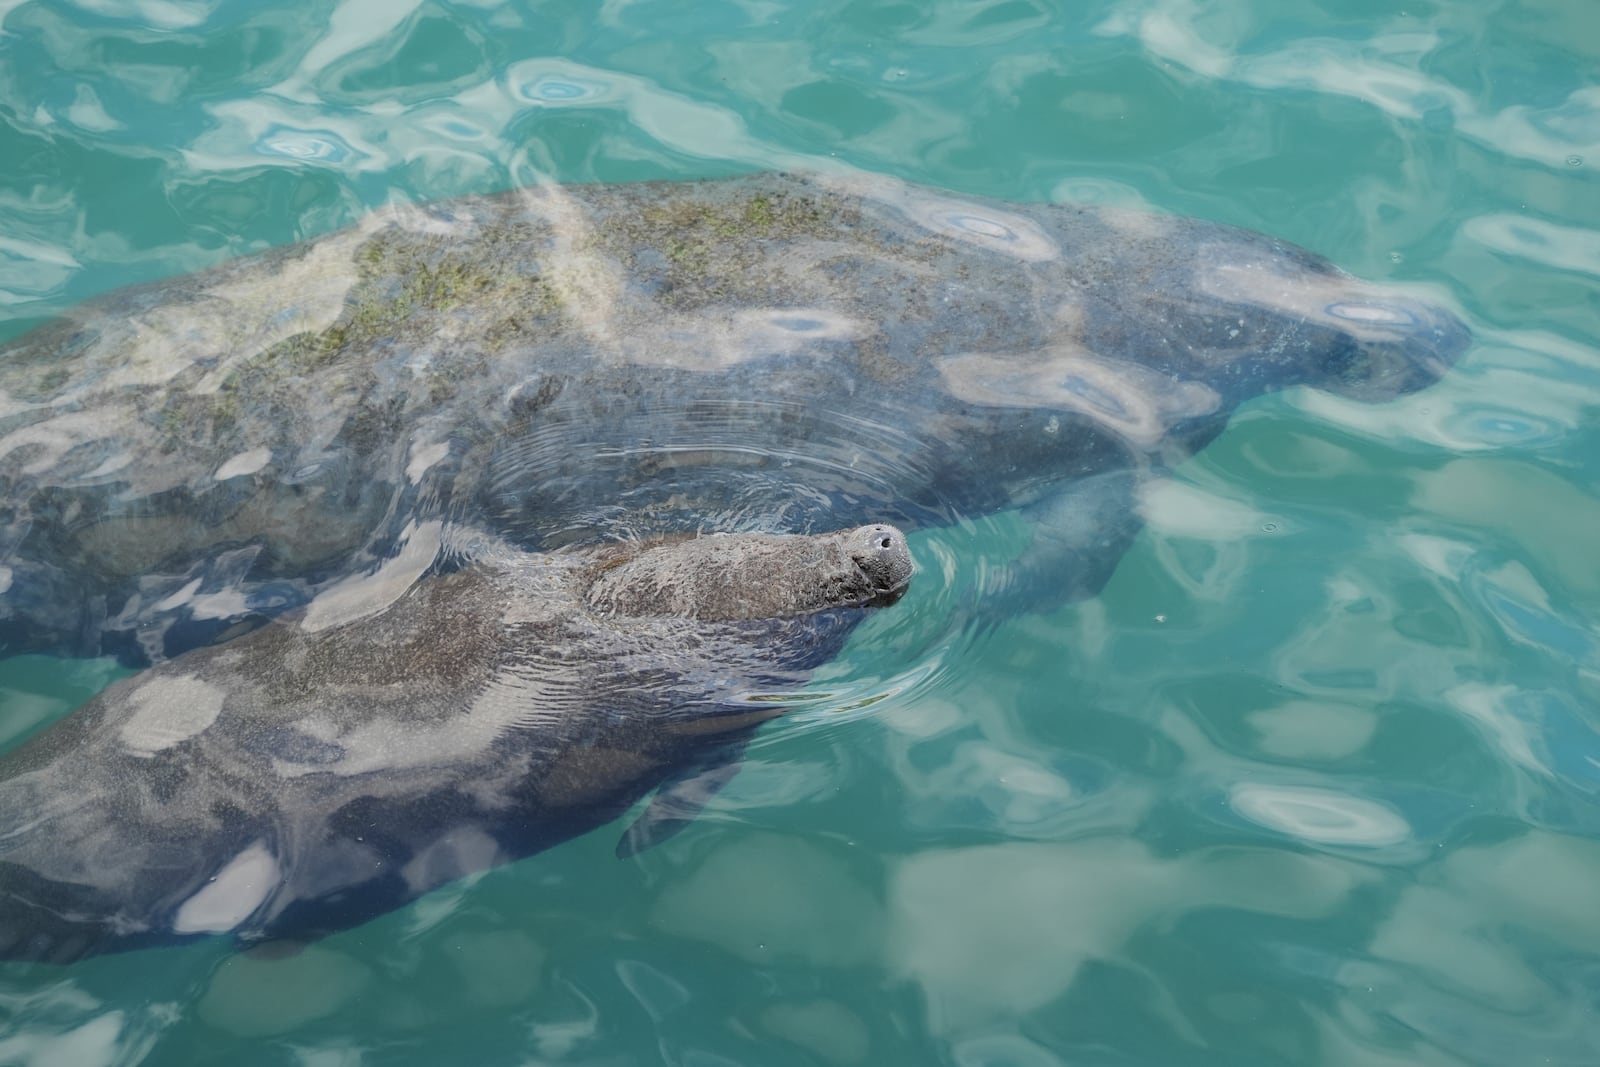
(324, 769)
(558, 363)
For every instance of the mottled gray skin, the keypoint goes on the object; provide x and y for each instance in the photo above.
(552, 363)
(307, 777)
(791, 575)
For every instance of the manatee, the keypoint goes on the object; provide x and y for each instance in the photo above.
(560, 364)
(320, 771)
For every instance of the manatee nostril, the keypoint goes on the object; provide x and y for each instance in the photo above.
(883, 558)
(1377, 314)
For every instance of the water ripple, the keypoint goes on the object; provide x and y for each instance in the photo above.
(1312, 781)
(1323, 816)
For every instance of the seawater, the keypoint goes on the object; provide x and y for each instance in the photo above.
(1314, 781)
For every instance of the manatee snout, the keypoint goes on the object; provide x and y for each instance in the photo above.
(1395, 346)
(752, 575)
(880, 552)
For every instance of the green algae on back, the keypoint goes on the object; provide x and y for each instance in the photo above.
(566, 363)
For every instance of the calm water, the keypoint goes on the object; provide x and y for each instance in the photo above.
(1314, 781)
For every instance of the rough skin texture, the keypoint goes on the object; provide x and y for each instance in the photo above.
(771, 352)
(305, 778)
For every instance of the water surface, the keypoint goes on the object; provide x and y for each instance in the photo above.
(1313, 781)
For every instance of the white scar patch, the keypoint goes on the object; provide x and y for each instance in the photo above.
(367, 594)
(244, 463)
(231, 896)
(109, 466)
(423, 457)
(167, 711)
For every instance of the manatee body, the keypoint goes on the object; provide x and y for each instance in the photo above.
(556, 363)
(307, 777)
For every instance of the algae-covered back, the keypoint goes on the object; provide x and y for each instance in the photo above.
(570, 363)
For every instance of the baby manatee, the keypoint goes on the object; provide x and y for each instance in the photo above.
(338, 762)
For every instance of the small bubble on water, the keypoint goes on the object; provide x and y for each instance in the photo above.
(1161, 618)
(1396, 257)
(1574, 161)
(1270, 527)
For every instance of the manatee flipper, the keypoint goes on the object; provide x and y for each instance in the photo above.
(680, 798)
(1079, 536)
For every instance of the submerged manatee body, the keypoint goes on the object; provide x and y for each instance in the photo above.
(773, 351)
(310, 776)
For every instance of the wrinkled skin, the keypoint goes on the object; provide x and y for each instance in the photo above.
(323, 770)
(182, 460)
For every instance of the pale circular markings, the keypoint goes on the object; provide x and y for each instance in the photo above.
(1481, 427)
(767, 331)
(977, 224)
(1134, 402)
(1319, 815)
(983, 225)
(559, 89)
(809, 323)
(1373, 313)
(461, 129)
(311, 146)
(552, 89)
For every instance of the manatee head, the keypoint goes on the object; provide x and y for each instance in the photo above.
(1302, 320)
(726, 577)
(1161, 323)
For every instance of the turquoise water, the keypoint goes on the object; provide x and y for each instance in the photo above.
(1314, 781)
